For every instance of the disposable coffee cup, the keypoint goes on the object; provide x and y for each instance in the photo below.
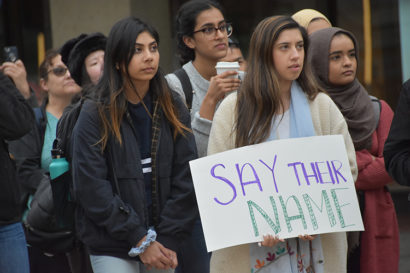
(222, 67)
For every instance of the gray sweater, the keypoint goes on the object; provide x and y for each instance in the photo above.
(200, 126)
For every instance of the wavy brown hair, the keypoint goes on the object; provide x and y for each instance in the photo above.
(259, 96)
(111, 88)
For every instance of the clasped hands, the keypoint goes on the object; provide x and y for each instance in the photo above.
(159, 257)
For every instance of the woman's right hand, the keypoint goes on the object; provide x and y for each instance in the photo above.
(159, 257)
(270, 240)
(219, 86)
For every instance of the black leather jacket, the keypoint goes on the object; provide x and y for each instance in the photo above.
(110, 224)
(16, 119)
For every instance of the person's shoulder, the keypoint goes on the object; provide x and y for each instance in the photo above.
(406, 85)
(89, 105)
(323, 108)
(322, 99)
(177, 99)
(229, 101)
(171, 77)
(87, 110)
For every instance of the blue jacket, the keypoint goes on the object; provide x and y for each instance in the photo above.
(110, 224)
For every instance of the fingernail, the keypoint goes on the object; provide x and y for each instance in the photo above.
(259, 244)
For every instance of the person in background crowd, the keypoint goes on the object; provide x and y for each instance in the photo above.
(202, 41)
(131, 149)
(333, 55)
(234, 54)
(397, 146)
(311, 20)
(33, 151)
(279, 99)
(84, 57)
(17, 72)
(16, 119)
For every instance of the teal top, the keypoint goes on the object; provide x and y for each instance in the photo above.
(49, 137)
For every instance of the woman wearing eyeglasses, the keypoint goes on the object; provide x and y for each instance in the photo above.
(202, 40)
(32, 152)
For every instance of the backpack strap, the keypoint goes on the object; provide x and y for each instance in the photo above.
(38, 114)
(377, 106)
(186, 86)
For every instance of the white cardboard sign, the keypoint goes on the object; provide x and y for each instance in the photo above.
(286, 187)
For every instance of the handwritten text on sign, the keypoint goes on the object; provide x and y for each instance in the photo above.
(286, 187)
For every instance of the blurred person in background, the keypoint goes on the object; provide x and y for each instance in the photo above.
(234, 54)
(33, 151)
(312, 20)
(18, 74)
(16, 119)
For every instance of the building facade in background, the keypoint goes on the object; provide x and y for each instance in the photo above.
(381, 26)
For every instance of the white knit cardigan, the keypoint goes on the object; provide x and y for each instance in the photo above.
(327, 120)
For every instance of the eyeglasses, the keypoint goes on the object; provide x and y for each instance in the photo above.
(210, 31)
(59, 71)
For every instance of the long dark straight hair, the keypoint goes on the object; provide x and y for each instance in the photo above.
(259, 96)
(111, 88)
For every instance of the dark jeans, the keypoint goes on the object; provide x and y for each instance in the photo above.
(192, 254)
(13, 249)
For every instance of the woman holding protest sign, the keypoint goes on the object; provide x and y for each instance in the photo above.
(279, 99)
(333, 55)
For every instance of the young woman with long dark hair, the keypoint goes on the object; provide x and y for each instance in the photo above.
(131, 150)
(279, 99)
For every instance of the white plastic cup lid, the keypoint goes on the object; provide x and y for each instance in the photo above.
(233, 65)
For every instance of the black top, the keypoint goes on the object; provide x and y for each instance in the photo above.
(397, 147)
(16, 119)
(142, 124)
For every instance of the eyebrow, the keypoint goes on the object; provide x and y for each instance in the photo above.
(286, 43)
(340, 51)
(152, 43)
(211, 25)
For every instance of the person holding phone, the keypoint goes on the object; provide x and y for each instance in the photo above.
(33, 151)
(15, 69)
(14, 110)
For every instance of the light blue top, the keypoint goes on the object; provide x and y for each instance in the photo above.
(49, 137)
